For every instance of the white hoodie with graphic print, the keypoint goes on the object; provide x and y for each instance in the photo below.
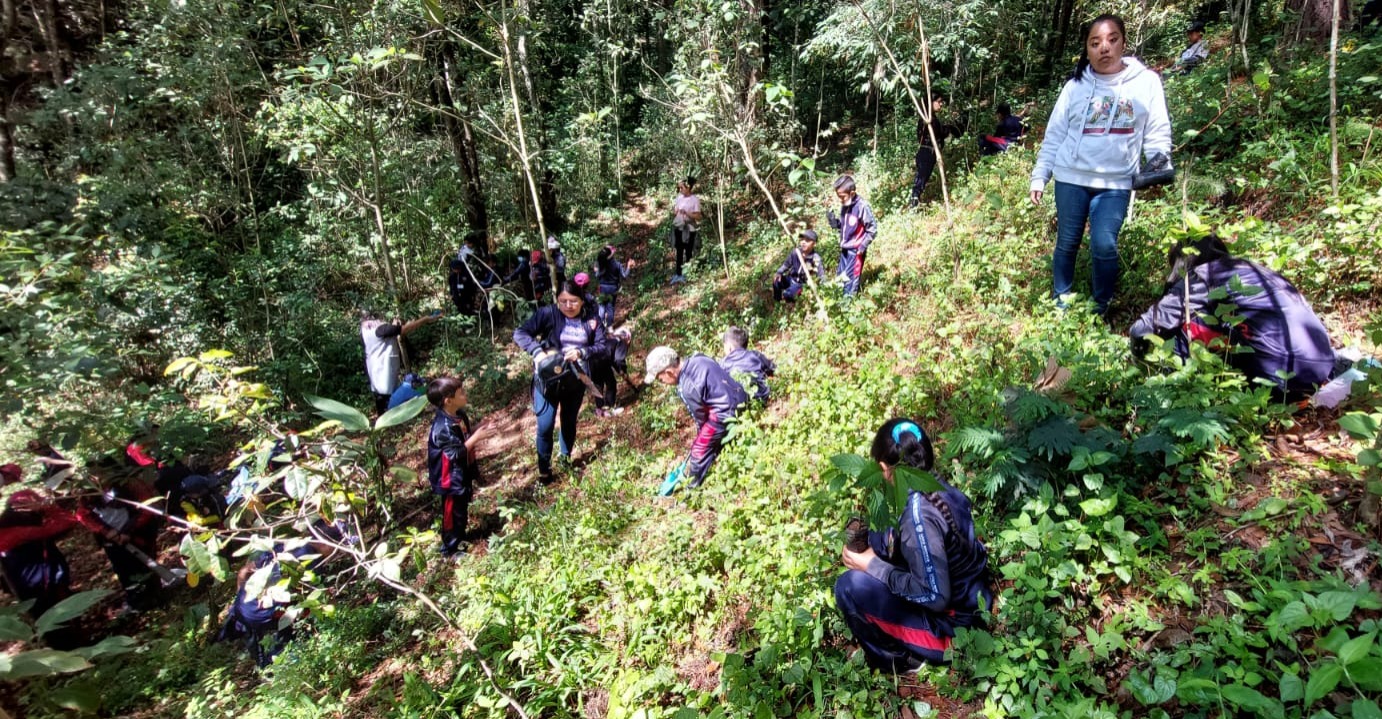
(1102, 126)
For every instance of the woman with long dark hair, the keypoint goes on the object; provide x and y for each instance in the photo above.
(911, 586)
(686, 218)
(1110, 114)
(562, 338)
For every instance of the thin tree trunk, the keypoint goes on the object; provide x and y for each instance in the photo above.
(464, 147)
(523, 156)
(9, 17)
(1334, 104)
(50, 23)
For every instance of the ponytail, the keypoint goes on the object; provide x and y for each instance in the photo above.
(902, 441)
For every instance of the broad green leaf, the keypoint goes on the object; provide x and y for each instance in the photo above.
(850, 465)
(1250, 698)
(81, 698)
(1359, 425)
(42, 662)
(107, 647)
(1157, 691)
(1198, 691)
(13, 629)
(909, 478)
(1367, 673)
(1338, 604)
(1356, 648)
(1098, 507)
(1322, 681)
(1291, 687)
(68, 609)
(350, 418)
(1291, 617)
(1370, 457)
(400, 414)
(1366, 709)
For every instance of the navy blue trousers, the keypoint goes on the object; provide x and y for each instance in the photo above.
(896, 635)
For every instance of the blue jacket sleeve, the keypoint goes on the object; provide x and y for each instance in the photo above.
(538, 326)
(925, 578)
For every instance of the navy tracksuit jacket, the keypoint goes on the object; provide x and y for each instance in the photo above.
(754, 364)
(712, 397)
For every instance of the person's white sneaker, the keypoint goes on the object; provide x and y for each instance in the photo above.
(616, 411)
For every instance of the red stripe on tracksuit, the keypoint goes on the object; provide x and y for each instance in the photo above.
(911, 635)
(446, 509)
(705, 437)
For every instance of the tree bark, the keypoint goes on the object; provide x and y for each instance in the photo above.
(8, 18)
(464, 147)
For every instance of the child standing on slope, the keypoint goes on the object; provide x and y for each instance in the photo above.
(451, 464)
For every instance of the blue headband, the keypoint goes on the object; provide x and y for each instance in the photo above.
(910, 428)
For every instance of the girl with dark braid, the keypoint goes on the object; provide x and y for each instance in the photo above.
(905, 594)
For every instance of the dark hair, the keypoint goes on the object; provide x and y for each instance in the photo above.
(1189, 254)
(902, 441)
(441, 388)
(737, 337)
(1083, 64)
(845, 183)
(1005, 109)
(690, 182)
(457, 265)
(569, 287)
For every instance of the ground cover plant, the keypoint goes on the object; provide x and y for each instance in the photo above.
(1169, 540)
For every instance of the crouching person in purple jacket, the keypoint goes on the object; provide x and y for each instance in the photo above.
(913, 585)
(711, 396)
(1207, 286)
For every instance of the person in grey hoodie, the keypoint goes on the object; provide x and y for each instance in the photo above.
(1110, 114)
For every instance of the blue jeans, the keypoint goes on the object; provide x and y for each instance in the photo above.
(1105, 211)
(604, 309)
(562, 396)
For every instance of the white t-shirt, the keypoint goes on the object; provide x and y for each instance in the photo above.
(684, 207)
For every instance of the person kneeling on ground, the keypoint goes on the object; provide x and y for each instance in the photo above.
(31, 564)
(265, 621)
(451, 464)
(1208, 283)
(790, 278)
(1008, 130)
(739, 359)
(909, 588)
(711, 396)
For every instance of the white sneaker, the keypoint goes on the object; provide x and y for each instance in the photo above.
(616, 411)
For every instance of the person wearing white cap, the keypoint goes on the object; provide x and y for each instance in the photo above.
(710, 395)
(558, 258)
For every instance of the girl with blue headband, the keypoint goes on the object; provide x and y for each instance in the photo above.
(907, 591)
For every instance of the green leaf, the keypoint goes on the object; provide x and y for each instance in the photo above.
(400, 414)
(13, 629)
(1338, 604)
(1291, 617)
(42, 662)
(1370, 457)
(1359, 425)
(851, 465)
(909, 478)
(1157, 691)
(350, 418)
(1367, 673)
(1057, 435)
(68, 609)
(1366, 709)
(1099, 506)
(81, 698)
(1322, 681)
(1357, 648)
(1198, 691)
(1250, 698)
(107, 647)
(1291, 687)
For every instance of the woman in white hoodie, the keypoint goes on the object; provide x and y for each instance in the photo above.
(1109, 115)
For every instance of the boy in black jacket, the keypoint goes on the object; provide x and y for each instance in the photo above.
(451, 465)
(739, 359)
(790, 278)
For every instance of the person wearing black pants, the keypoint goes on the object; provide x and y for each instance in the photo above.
(686, 214)
(928, 148)
(451, 466)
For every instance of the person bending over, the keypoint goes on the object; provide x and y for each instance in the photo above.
(739, 359)
(710, 395)
(1208, 285)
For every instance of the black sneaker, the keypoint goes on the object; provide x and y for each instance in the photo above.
(545, 477)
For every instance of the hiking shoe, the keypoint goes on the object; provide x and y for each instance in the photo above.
(545, 477)
(601, 412)
(616, 411)
(857, 535)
